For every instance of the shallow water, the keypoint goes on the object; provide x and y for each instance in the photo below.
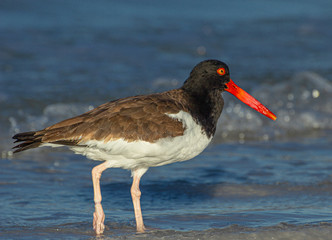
(260, 179)
(253, 188)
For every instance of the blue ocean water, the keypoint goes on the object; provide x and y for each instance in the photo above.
(259, 179)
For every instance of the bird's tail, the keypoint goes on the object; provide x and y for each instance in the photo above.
(28, 140)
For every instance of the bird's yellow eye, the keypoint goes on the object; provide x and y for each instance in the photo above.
(221, 71)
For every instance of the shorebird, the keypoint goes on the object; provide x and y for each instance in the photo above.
(140, 132)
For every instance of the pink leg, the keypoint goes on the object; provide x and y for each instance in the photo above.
(98, 215)
(136, 195)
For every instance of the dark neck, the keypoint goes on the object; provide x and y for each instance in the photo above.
(206, 107)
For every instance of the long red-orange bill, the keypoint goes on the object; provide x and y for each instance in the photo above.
(248, 99)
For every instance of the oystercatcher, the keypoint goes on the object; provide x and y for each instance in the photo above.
(139, 132)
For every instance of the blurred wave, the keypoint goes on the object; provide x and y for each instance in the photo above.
(302, 104)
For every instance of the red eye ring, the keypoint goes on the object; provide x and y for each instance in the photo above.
(221, 71)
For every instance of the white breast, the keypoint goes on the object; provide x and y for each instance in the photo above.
(142, 154)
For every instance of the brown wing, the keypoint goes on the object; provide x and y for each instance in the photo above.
(133, 118)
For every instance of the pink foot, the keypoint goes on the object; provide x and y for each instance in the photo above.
(98, 219)
(140, 229)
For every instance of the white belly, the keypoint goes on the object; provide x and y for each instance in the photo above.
(142, 154)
